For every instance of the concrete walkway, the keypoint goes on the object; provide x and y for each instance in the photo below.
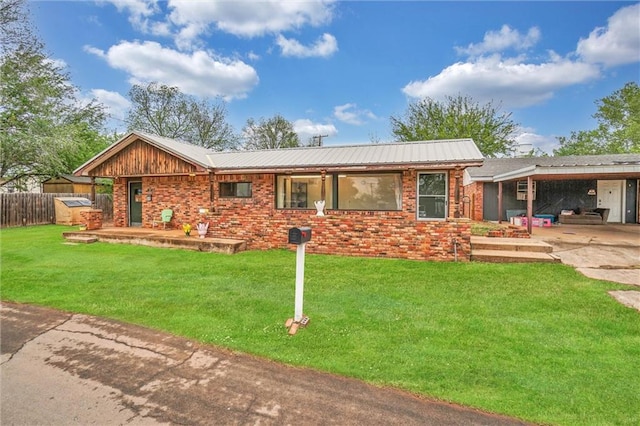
(66, 369)
(605, 252)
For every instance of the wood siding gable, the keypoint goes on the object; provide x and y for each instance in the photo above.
(142, 159)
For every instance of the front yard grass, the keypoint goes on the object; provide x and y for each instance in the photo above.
(539, 342)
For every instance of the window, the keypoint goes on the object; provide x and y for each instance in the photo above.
(300, 192)
(432, 195)
(521, 191)
(235, 189)
(370, 191)
(357, 191)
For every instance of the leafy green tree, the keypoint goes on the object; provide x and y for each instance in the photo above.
(159, 109)
(209, 127)
(40, 113)
(166, 111)
(457, 117)
(274, 133)
(618, 130)
(14, 25)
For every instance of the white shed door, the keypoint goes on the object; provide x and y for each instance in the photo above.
(610, 197)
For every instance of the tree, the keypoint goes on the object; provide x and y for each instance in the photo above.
(159, 109)
(457, 117)
(618, 130)
(166, 111)
(40, 115)
(14, 25)
(209, 127)
(274, 133)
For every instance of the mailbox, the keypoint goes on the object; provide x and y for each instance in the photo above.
(299, 235)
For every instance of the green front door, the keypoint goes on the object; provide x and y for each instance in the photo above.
(135, 203)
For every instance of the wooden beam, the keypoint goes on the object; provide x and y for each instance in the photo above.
(499, 202)
(93, 192)
(529, 203)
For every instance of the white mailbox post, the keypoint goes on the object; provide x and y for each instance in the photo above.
(300, 237)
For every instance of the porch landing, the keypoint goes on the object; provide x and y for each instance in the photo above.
(512, 250)
(158, 238)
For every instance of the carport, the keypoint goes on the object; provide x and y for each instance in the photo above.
(548, 185)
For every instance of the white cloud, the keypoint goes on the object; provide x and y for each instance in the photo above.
(139, 12)
(198, 73)
(56, 62)
(618, 43)
(529, 140)
(117, 105)
(499, 41)
(323, 47)
(350, 114)
(511, 82)
(488, 75)
(306, 129)
(246, 18)
(187, 21)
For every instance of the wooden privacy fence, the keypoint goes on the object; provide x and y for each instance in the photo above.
(22, 209)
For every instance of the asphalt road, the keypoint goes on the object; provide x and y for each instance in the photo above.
(60, 368)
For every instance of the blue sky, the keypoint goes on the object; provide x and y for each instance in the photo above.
(342, 69)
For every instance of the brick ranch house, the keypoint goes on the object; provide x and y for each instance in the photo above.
(500, 188)
(399, 200)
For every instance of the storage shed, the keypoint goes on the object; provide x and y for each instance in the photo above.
(67, 184)
(68, 210)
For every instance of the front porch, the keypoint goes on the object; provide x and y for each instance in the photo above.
(167, 238)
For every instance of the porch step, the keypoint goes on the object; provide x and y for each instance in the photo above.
(85, 239)
(511, 250)
(154, 239)
(508, 256)
(510, 244)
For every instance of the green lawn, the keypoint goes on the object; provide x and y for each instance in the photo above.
(536, 341)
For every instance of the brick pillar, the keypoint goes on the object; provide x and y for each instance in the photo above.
(93, 218)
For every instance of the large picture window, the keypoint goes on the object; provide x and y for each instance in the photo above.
(357, 191)
(370, 191)
(235, 189)
(432, 195)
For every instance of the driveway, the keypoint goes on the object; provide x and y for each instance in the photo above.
(605, 252)
(69, 369)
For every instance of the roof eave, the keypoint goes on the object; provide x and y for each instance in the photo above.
(568, 170)
(349, 168)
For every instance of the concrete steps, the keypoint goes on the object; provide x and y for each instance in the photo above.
(151, 239)
(511, 250)
(84, 239)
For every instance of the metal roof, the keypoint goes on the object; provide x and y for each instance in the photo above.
(420, 153)
(494, 169)
(390, 155)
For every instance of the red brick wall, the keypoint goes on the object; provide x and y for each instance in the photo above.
(92, 218)
(396, 234)
(120, 207)
(475, 192)
(185, 195)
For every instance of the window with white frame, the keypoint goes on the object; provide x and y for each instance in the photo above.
(432, 195)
